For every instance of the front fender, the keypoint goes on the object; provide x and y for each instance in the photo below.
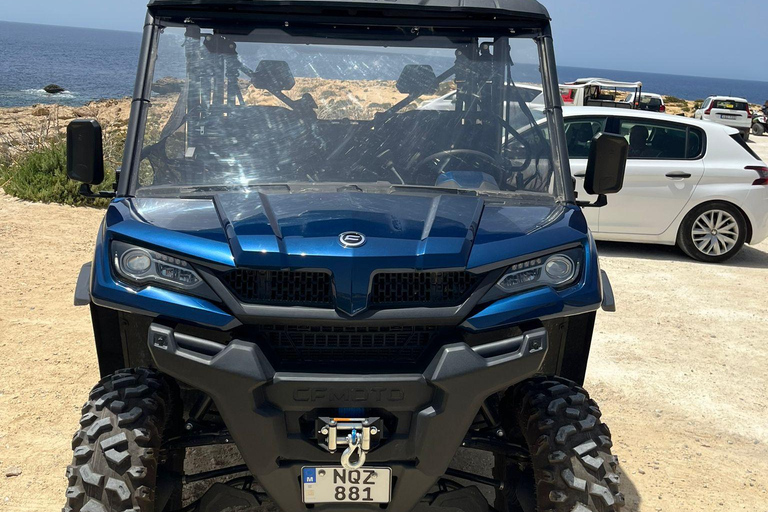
(83, 286)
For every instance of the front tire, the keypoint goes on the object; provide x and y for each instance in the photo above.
(713, 232)
(572, 468)
(117, 449)
(758, 129)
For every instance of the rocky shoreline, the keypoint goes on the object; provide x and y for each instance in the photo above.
(21, 128)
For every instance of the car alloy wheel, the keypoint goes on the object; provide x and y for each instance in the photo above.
(715, 232)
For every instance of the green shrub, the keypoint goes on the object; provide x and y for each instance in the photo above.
(673, 99)
(41, 175)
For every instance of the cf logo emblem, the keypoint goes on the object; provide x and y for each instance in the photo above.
(351, 239)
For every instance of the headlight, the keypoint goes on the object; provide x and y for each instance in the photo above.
(557, 270)
(142, 266)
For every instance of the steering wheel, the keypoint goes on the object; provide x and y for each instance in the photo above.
(448, 154)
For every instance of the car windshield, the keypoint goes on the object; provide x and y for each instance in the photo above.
(266, 108)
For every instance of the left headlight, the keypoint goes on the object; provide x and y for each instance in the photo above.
(556, 270)
(143, 266)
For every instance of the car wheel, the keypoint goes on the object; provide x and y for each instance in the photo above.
(571, 467)
(713, 232)
(118, 462)
(758, 129)
(745, 135)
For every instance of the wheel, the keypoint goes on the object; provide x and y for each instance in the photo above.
(117, 449)
(571, 467)
(745, 135)
(713, 232)
(758, 129)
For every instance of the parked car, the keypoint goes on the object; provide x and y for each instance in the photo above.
(733, 112)
(759, 123)
(691, 183)
(647, 101)
(448, 101)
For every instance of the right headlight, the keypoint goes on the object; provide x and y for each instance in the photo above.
(143, 266)
(557, 270)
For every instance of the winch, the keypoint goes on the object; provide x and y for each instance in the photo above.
(357, 435)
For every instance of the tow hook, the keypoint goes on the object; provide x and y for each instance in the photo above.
(358, 435)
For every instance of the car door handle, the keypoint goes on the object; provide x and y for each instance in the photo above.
(580, 175)
(678, 175)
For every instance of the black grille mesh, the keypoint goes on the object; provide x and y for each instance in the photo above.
(281, 287)
(421, 288)
(337, 344)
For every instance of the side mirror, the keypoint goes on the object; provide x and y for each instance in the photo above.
(273, 76)
(85, 153)
(417, 80)
(607, 164)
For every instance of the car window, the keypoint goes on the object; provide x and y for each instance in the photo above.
(650, 101)
(657, 140)
(579, 133)
(695, 143)
(730, 105)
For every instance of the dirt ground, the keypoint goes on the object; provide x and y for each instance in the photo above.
(679, 370)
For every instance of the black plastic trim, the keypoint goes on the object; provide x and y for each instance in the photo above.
(83, 286)
(609, 301)
(437, 407)
(259, 313)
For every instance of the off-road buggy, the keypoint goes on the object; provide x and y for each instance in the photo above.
(302, 261)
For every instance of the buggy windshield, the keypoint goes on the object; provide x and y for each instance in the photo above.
(266, 108)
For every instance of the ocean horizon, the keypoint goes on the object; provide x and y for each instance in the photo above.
(94, 64)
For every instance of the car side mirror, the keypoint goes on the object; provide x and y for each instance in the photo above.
(417, 80)
(607, 164)
(85, 152)
(273, 76)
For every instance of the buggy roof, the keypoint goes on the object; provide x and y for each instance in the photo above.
(582, 83)
(522, 8)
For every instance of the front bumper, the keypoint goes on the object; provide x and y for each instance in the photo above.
(263, 408)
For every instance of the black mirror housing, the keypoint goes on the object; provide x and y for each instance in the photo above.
(85, 152)
(417, 80)
(607, 164)
(273, 75)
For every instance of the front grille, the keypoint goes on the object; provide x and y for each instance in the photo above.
(421, 288)
(279, 287)
(337, 344)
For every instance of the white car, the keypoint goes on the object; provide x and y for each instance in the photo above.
(689, 183)
(648, 101)
(733, 112)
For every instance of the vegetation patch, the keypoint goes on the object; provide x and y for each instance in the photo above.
(33, 164)
(41, 175)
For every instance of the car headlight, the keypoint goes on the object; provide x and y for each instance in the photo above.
(143, 266)
(557, 270)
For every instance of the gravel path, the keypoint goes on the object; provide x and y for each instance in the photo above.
(679, 370)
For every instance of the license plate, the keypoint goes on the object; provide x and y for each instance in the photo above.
(730, 118)
(339, 485)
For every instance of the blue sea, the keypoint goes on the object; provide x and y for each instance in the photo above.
(95, 64)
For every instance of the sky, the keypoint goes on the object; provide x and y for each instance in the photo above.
(711, 38)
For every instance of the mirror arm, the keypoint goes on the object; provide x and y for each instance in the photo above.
(602, 200)
(85, 191)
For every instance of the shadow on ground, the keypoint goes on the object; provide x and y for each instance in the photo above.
(472, 461)
(481, 463)
(631, 495)
(748, 257)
